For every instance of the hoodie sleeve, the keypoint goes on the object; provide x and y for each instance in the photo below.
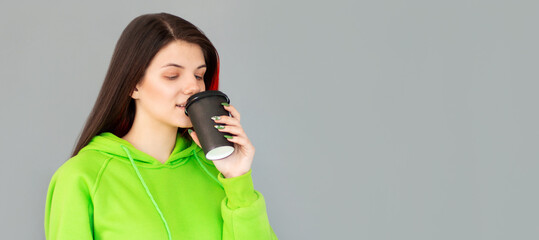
(244, 210)
(69, 208)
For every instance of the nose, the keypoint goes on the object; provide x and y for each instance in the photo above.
(191, 86)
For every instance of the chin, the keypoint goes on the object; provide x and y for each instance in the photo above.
(183, 122)
(185, 125)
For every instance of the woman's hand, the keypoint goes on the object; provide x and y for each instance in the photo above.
(239, 162)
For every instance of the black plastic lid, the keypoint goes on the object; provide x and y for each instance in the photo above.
(200, 95)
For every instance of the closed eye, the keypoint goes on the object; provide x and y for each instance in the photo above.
(172, 77)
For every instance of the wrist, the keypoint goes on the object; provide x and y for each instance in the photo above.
(235, 174)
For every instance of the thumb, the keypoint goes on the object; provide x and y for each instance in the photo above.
(194, 136)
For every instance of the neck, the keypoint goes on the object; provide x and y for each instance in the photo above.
(154, 138)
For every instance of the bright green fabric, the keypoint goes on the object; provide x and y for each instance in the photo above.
(98, 195)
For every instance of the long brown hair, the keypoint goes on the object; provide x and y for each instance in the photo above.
(114, 109)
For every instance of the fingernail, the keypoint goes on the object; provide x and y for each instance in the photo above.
(219, 126)
(215, 118)
(189, 131)
(225, 104)
(228, 136)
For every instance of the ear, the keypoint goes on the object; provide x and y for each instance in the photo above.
(135, 93)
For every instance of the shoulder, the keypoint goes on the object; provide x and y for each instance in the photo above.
(82, 169)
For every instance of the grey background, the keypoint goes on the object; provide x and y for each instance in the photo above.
(372, 119)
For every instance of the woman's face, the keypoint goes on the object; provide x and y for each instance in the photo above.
(175, 73)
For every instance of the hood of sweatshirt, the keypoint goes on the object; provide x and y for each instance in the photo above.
(111, 144)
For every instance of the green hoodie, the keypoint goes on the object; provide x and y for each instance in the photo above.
(111, 190)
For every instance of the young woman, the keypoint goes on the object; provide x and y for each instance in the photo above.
(137, 171)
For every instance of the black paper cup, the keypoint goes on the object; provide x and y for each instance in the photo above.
(200, 108)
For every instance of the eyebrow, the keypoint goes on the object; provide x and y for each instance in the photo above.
(180, 66)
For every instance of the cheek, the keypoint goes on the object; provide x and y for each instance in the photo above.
(202, 86)
(158, 92)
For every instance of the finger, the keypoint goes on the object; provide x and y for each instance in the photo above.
(233, 130)
(233, 111)
(241, 141)
(227, 120)
(194, 136)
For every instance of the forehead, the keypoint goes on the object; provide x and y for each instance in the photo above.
(179, 52)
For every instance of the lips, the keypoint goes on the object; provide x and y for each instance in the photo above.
(181, 105)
